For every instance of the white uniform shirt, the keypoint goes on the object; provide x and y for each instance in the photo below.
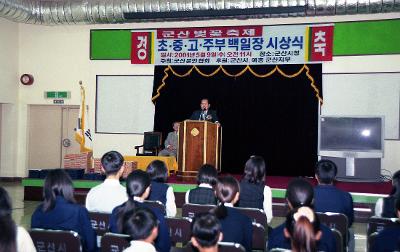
(106, 196)
(140, 246)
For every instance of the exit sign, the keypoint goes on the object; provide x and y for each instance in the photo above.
(57, 94)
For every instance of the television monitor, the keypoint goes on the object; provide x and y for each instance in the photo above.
(345, 136)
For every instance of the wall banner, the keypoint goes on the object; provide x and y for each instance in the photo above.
(238, 45)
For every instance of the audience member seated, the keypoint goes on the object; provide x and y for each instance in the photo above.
(142, 226)
(60, 212)
(13, 238)
(236, 226)
(300, 193)
(204, 194)
(159, 189)
(389, 238)
(328, 198)
(171, 143)
(206, 232)
(302, 228)
(138, 189)
(253, 191)
(385, 207)
(106, 196)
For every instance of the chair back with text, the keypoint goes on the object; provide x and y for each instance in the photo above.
(55, 240)
(156, 204)
(100, 222)
(255, 214)
(259, 237)
(376, 224)
(189, 210)
(337, 221)
(151, 144)
(179, 229)
(114, 242)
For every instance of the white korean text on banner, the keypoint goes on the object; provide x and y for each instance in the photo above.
(239, 45)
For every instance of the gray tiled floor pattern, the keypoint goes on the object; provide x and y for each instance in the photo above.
(23, 211)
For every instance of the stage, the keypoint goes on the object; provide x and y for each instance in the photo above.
(365, 194)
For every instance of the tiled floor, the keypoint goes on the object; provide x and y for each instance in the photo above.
(22, 212)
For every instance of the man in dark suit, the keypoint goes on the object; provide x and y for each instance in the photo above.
(328, 198)
(205, 114)
(388, 239)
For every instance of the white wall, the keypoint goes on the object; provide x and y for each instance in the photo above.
(58, 57)
(8, 96)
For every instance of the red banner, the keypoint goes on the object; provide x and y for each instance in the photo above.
(321, 43)
(141, 48)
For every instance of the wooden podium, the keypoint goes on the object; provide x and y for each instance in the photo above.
(199, 143)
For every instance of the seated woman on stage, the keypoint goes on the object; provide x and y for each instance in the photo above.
(236, 227)
(59, 210)
(204, 193)
(253, 191)
(138, 185)
(159, 189)
(385, 207)
(302, 228)
(13, 238)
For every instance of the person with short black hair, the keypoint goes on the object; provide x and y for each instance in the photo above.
(159, 189)
(388, 239)
(171, 142)
(385, 207)
(204, 193)
(112, 164)
(60, 211)
(13, 238)
(236, 226)
(329, 198)
(205, 113)
(253, 191)
(206, 232)
(138, 184)
(300, 193)
(302, 227)
(142, 226)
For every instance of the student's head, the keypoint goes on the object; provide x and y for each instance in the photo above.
(204, 104)
(206, 231)
(254, 170)
(227, 190)
(141, 224)
(325, 171)
(112, 163)
(57, 184)
(7, 225)
(158, 171)
(299, 193)
(207, 175)
(138, 184)
(302, 227)
(396, 184)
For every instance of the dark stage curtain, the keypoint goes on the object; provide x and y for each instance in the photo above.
(275, 117)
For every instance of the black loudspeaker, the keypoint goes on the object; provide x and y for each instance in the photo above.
(357, 169)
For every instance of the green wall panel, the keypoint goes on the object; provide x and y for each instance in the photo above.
(367, 38)
(110, 44)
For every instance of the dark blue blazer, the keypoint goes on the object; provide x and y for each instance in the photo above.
(158, 192)
(277, 239)
(328, 198)
(387, 240)
(237, 227)
(163, 241)
(212, 113)
(67, 216)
